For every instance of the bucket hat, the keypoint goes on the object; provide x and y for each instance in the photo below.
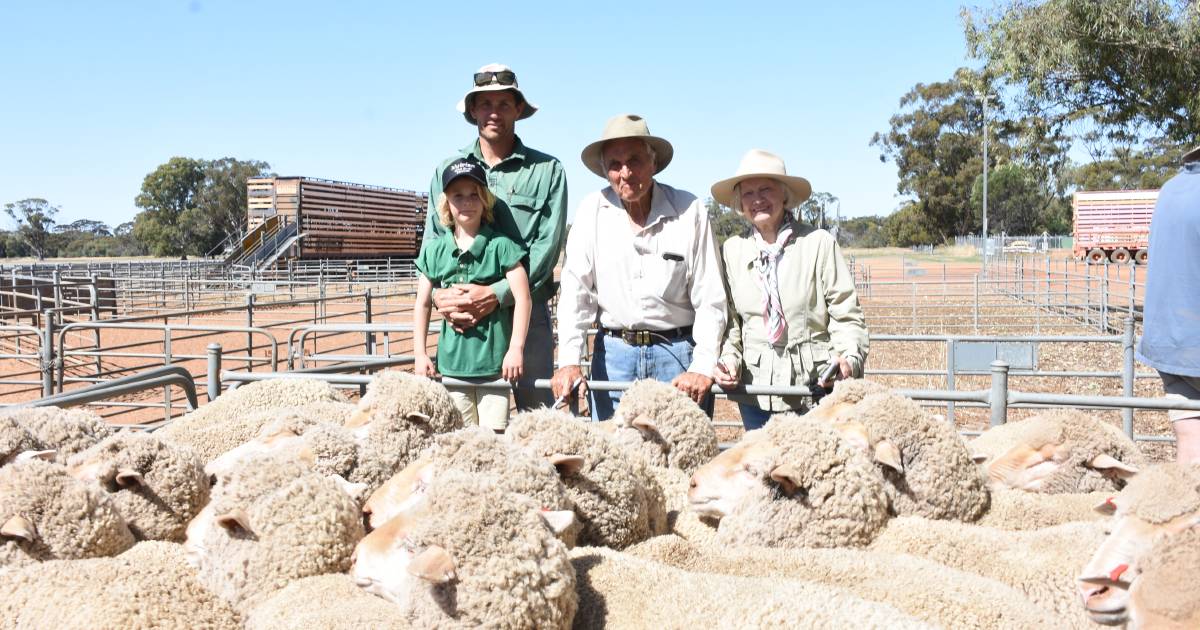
(759, 163)
(626, 126)
(494, 77)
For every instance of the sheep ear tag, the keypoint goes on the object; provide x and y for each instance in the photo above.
(567, 464)
(979, 458)
(128, 478)
(19, 527)
(887, 454)
(787, 479)
(235, 520)
(1112, 467)
(1107, 508)
(558, 520)
(433, 565)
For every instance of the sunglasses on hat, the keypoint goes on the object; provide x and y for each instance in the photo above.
(503, 77)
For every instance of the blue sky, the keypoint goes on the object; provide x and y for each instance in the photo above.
(95, 95)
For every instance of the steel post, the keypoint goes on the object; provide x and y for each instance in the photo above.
(999, 395)
(1127, 374)
(214, 371)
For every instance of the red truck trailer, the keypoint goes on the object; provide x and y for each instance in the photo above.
(1113, 225)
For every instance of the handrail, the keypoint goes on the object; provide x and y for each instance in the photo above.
(148, 379)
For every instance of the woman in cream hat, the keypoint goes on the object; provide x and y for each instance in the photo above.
(793, 310)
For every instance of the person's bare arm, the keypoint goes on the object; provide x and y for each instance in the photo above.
(514, 359)
(422, 366)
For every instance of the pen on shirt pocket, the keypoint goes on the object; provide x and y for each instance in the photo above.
(670, 256)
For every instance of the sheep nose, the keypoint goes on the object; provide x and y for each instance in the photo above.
(692, 483)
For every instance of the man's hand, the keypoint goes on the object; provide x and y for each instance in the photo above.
(694, 384)
(564, 377)
(465, 304)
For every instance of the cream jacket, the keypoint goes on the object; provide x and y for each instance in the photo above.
(819, 304)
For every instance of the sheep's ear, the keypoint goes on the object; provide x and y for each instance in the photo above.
(1107, 508)
(645, 424)
(19, 527)
(978, 458)
(128, 478)
(558, 520)
(417, 416)
(1112, 466)
(235, 520)
(47, 455)
(887, 454)
(566, 464)
(433, 565)
(787, 478)
(355, 490)
(360, 418)
(307, 455)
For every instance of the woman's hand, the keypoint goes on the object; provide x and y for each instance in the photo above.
(844, 371)
(422, 366)
(514, 364)
(725, 378)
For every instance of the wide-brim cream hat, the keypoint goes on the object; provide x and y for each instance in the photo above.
(626, 126)
(759, 163)
(1192, 156)
(494, 84)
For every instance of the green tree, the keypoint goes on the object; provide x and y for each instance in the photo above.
(223, 196)
(863, 232)
(814, 210)
(1128, 168)
(726, 222)
(34, 219)
(1016, 200)
(910, 225)
(1128, 68)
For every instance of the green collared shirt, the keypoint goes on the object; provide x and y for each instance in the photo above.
(479, 351)
(531, 209)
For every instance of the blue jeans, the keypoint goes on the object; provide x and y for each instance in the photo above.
(615, 360)
(753, 417)
(539, 361)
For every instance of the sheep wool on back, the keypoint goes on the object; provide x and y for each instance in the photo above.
(14, 439)
(616, 497)
(1166, 594)
(664, 426)
(61, 517)
(325, 602)
(817, 491)
(1021, 510)
(157, 486)
(66, 431)
(149, 586)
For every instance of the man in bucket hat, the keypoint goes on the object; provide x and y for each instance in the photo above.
(641, 258)
(1171, 316)
(531, 209)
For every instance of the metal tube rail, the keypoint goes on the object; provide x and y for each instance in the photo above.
(150, 379)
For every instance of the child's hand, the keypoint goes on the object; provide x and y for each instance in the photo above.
(422, 366)
(514, 365)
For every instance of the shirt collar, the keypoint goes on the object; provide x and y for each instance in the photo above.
(660, 207)
(477, 246)
(472, 150)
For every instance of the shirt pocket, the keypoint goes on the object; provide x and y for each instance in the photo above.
(665, 277)
(807, 361)
(524, 203)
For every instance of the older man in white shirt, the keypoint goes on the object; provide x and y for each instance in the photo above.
(642, 260)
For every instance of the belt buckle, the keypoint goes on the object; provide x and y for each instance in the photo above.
(643, 337)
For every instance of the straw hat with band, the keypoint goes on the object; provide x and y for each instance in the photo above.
(495, 77)
(626, 126)
(1192, 156)
(759, 163)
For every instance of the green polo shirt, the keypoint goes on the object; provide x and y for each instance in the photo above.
(479, 351)
(531, 209)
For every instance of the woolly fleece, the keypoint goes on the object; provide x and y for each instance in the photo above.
(72, 519)
(841, 500)
(1167, 586)
(67, 431)
(149, 586)
(617, 590)
(14, 439)
(940, 480)
(1021, 510)
(616, 496)
(685, 438)
(512, 570)
(1161, 493)
(322, 602)
(174, 487)
(1087, 437)
(238, 415)
(921, 588)
(301, 523)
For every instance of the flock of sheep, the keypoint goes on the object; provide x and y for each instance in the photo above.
(283, 505)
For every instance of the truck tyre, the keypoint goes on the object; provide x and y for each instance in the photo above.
(1142, 256)
(1120, 256)
(1096, 256)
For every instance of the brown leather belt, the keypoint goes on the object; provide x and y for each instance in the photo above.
(648, 337)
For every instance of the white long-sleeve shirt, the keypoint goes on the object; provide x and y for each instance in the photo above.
(662, 276)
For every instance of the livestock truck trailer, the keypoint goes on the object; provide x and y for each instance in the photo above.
(1113, 225)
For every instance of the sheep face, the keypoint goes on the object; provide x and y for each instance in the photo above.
(1028, 467)
(383, 558)
(1161, 503)
(400, 493)
(721, 484)
(273, 439)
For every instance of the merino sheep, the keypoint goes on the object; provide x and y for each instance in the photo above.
(149, 586)
(616, 497)
(1165, 593)
(930, 472)
(665, 426)
(835, 406)
(793, 483)
(917, 587)
(271, 521)
(237, 415)
(1021, 510)
(617, 590)
(157, 487)
(45, 514)
(1057, 451)
(63, 431)
(325, 601)
(15, 440)
(470, 555)
(473, 450)
(327, 448)
(1041, 564)
(1162, 501)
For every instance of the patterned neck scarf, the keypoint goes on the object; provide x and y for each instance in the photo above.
(767, 265)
